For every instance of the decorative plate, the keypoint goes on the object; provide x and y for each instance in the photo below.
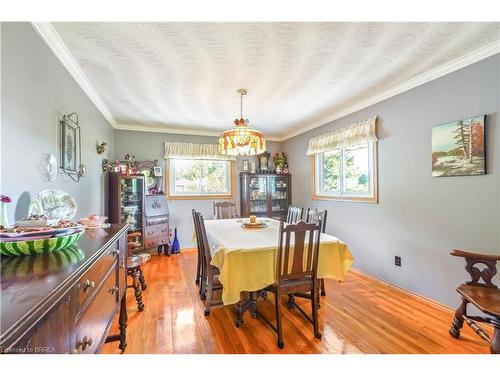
(55, 204)
(32, 247)
(257, 225)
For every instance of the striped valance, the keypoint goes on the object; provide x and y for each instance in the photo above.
(181, 150)
(350, 135)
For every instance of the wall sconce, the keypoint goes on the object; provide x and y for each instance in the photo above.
(101, 147)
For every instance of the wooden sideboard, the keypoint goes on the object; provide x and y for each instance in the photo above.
(65, 301)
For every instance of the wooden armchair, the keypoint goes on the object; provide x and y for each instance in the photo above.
(483, 295)
(225, 210)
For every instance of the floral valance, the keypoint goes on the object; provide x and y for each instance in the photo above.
(350, 135)
(181, 150)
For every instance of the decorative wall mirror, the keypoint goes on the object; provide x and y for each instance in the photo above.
(71, 153)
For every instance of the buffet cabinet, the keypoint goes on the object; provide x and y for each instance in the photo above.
(265, 195)
(65, 301)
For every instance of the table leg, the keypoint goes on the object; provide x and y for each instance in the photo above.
(123, 323)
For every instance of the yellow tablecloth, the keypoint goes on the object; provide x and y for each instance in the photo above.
(246, 257)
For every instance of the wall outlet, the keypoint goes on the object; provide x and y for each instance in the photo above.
(397, 261)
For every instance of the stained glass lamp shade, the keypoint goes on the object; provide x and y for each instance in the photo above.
(241, 140)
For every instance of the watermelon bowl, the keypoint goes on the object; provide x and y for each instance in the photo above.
(39, 246)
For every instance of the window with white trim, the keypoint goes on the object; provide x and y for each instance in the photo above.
(347, 173)
(200, 178)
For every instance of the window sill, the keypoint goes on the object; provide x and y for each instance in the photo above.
(345, 198)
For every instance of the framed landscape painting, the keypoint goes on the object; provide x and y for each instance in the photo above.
(458, 148)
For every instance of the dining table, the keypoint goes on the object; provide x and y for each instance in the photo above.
(246, 259)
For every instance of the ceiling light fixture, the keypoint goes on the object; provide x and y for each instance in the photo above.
(242, 140)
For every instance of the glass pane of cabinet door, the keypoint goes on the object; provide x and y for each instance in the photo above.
(258, 195)
(132, 195)
(279, 196)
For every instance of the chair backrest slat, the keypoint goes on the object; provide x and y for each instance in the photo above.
(294, 214)
(302, 233)
(225, 210)
(313, 215)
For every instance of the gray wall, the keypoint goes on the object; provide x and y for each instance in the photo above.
(36, 91)
(419, 217)
(145, 145)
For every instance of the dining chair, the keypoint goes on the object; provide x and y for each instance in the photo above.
(294, 214)
(211, 273)
(200, 262)
(296, 273)
(313, 215)
(485, 296)
(225, 210)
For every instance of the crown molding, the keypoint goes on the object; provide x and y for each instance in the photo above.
(451, 66)
(169, 130)
(58, 47)
(61, 51)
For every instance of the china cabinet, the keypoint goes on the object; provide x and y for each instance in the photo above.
(265, 195)
(126, 206)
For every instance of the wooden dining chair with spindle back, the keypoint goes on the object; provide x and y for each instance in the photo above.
(211, 273)
(225, 210)
(200, 263)
(296, 273)
(294, 214)
(313, 215)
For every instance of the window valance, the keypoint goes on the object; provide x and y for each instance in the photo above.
(181, 150)
(350, 135)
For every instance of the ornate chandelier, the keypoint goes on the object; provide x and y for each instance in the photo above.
(241, 140)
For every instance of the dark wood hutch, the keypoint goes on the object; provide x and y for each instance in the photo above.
(265, 194)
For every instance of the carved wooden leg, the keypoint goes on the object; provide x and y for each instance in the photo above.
(277, 303)
(322, 284)
(314, 306)
(495, 340)
(142, 280)
(458, 320)
(123, 323)
(253, 308)
(239, 314)
(137, 289)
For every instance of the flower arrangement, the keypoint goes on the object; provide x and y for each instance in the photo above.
(4, 220)
(280, 162)
(5, 199)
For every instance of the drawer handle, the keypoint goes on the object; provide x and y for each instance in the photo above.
(115, 252)
(113, 290)
(85, 343)
(163, 230)
(88, 284)
(150, 233)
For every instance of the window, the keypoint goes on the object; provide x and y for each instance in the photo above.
(200, 179)
(346, 173)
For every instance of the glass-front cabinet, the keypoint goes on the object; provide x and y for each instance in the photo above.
(265, 195)
(126, 205)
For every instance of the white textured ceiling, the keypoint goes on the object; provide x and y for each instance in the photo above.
(183, 76)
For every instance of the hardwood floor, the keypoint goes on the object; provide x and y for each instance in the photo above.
(360, 315)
